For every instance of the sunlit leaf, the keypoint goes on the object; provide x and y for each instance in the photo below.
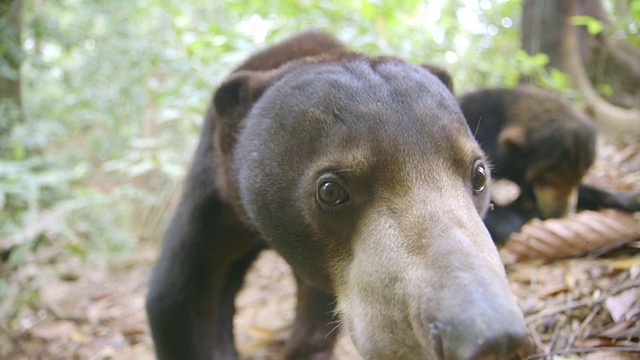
(18, 254)
(76, 250)
(4, 288)
(594, 26)
(605, 89)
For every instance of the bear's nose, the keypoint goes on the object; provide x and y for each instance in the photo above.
(479, 336)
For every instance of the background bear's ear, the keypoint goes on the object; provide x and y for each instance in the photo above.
(513, 138)
(441, 74)
(236, 95)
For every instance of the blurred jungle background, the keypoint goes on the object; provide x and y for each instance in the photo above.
(100, 108)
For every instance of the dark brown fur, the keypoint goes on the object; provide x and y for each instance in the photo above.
(536, 139)
(303, 115)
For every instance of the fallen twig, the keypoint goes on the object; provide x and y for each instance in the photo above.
(585, 350)
(583, 325)
(590, 302)
(554, 339)
(536, 337)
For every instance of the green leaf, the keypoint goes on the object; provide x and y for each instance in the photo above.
(605, 90)
(4, 288)
(18, 254)
(561, 81)
(594, 26)
(76, 250)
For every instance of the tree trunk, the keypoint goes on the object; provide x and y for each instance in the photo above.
(590, 60)
(11, 56)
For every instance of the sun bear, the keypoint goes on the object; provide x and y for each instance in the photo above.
(536, 139)
(362, 174)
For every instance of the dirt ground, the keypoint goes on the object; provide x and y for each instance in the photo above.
(581, 307)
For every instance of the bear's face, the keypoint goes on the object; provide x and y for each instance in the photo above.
(549, 147)
(364, 176)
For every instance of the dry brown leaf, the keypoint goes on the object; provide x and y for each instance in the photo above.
(626, 264)
(573, 235)
(604, 355)
(53, 330)
(134, 330)
(624, 305)
(623, 330)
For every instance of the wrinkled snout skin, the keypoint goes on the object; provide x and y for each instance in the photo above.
(414, 270)
(420, 289)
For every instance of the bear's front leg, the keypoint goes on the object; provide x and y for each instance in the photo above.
(190, 304)
(315, 327)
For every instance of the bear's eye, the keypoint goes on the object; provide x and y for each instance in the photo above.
(331, 193)
(479, 177)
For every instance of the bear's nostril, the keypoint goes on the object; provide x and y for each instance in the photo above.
(436, 337)
(510, 348)
(472, 338)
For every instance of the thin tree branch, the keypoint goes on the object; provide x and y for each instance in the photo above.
(590, 302)
(609, 117)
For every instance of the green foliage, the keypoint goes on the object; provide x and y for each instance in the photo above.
(626, 17)
(533, 66)
(114, 92)
(22, 184)
(10, 51)
(18, 253)
(594, 26)
(605, 90)
(11, 55)
(147, 155)
(4, 288)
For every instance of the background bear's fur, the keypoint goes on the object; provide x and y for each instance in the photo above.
(538, 140)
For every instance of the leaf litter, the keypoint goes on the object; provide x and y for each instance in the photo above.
(581, 306)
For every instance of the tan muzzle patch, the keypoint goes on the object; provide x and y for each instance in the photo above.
(555, 201)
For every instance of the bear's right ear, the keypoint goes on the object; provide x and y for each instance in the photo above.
(236, 95)
(513, 138)
(441, 74)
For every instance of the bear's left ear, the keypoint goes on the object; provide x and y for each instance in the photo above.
(513, 139)
(236, 95)
(441, 74)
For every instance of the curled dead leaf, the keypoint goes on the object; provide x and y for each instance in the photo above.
(623, 306)
(573, 235)
(53, 330)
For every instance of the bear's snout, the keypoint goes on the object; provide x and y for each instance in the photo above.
(477, 333)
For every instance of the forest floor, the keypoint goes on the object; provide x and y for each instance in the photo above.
(581, 307)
